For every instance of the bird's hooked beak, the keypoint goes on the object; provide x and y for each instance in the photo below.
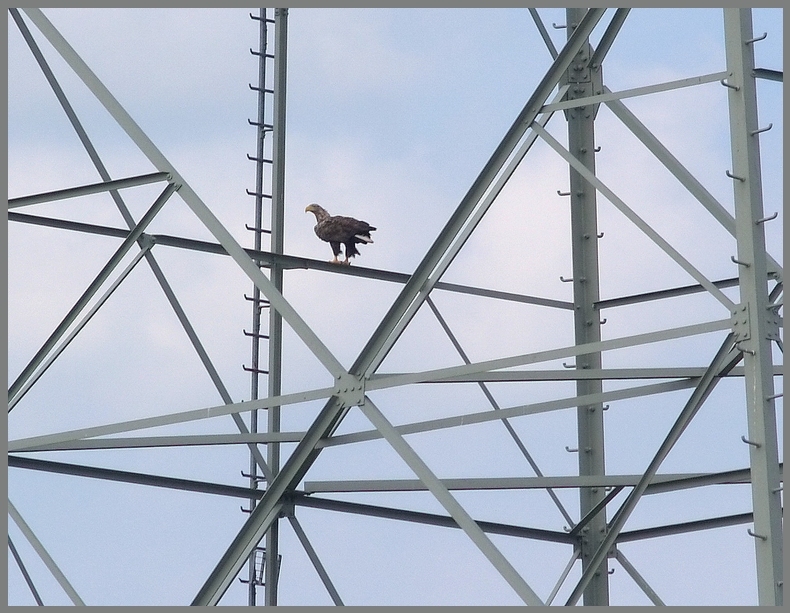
(309, 208)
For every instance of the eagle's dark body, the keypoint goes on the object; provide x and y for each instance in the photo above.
(337, 230)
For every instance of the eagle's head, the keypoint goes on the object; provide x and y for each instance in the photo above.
(319, 211)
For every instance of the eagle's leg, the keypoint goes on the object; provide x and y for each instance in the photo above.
(336, 250)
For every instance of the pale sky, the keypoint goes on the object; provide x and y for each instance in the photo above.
(391, 115)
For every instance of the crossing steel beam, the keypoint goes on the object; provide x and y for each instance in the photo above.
(382, 338)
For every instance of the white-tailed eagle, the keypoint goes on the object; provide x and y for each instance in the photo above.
(338, 229)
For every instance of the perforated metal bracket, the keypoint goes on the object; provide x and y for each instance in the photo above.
(740, 322)
(350, 390)
(774, 321)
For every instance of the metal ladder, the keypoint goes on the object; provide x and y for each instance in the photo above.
(264, 192)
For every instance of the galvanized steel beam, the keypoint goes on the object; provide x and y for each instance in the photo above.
(25, 574)
(187, 194)
(86, 190)
(44, 555)
(375, 350)
(724, 360)
(638, 579)
(495, 405)
(458, 513)
(287, 262)
(583, 79)
(757, 323)
(276, 275)
(635, 219)
(56, 351)
(316, 561)
(86, 296)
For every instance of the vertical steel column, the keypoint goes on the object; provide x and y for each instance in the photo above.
(754, 323)
(584, 241)
(276, 277)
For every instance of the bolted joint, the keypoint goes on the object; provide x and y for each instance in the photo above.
(349, 390)
(146, 241)
(741, 325)
(774, 322)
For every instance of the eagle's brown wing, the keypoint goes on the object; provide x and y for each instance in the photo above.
(339, 229)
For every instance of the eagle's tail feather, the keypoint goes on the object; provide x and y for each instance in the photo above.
(363, 238)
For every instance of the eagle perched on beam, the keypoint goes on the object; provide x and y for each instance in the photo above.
(338, 229)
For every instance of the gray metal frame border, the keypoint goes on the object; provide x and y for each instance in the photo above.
(749, 342)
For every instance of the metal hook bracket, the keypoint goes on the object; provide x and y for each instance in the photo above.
(732, 176)
(725, 84)
(769, 218)
(752, 443)
(757, 536)
(761, 130)
(739, 262)
(756, 39)
(741, 349)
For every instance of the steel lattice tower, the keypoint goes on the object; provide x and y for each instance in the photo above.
(747, 334)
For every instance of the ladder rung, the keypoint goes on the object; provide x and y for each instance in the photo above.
(267, 19)
(249, 193)
(265, 126)
(255, 370)
(258, 18)
(251, 229)
(257, 159)
(264, 302)
(255, 335)
(265, 90)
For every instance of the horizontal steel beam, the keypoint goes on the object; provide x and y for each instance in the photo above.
(742, 475)
(268, 259)
(517, 411)
(506, 483)
(572, 374)
(85, 190)
(136, 442)
(305, 500)
(767, 73)
(660, 483)
(343, 506)
(123, 476)
(537, 357)
(168, 419)
(681, 528)
(683, 290)
(296, 498)
(631, 93)
(292, 262)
